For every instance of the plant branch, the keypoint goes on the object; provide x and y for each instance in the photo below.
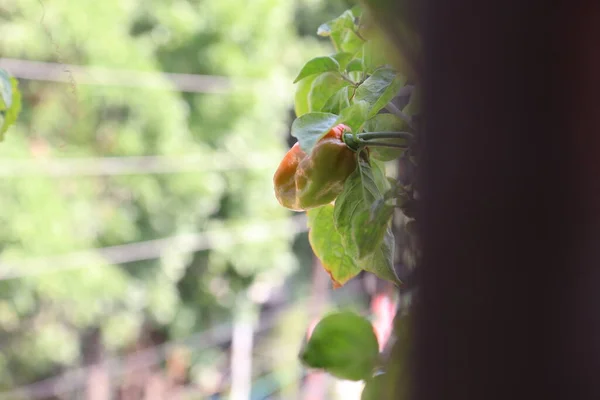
(396, 111)
(405, 90)
(359, 35)
(353, 93)
(347, 79)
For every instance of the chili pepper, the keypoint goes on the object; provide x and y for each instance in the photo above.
(306, 181)
(284, 179)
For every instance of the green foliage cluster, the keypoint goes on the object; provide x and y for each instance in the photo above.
(353, 87)
(361, 88)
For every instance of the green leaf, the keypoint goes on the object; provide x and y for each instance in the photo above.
(326, 242)
(381, 180)
(318, 65)
(380, 88)
(356, 11)
(323, 87)
(361, 190)
(381, 261)
(341, 32)
(354, 66)
(386, 123)
(311, 127)
(373, 56)
(355, 115)
(370, 227)
(378, 260)
(5, 90)
(11, 115)
(301, 100)
(343, 344)
(338, 102)
(348, 40)
(344, 21)
(375, 388)
(343, 59)
(335, 26)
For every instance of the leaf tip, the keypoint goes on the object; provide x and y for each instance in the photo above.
(336, 284)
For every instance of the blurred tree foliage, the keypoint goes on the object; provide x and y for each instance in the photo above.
(260, 44)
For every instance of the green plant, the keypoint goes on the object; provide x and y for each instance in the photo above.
(353, 230)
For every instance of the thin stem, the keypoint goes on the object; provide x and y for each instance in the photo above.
(359, 35)
(405, 90)
(364, 139)
(347, 79)
(353, 93)
(385, 135)
(396, 111)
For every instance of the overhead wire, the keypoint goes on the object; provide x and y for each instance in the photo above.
(150, 249)
(105, 166)
(111, 166)
(104, 76)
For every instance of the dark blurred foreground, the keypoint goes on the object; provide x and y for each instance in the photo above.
(509, 299)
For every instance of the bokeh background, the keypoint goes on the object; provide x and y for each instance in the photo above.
(142, 252)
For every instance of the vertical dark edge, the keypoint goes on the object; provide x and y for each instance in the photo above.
(502, 183)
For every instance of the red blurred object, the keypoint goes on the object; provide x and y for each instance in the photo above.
(383, 309)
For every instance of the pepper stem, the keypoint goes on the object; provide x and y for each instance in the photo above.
(352, 142)
(385, 135)
(364, 139)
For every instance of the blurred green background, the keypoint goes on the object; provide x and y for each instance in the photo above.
(137, 208)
